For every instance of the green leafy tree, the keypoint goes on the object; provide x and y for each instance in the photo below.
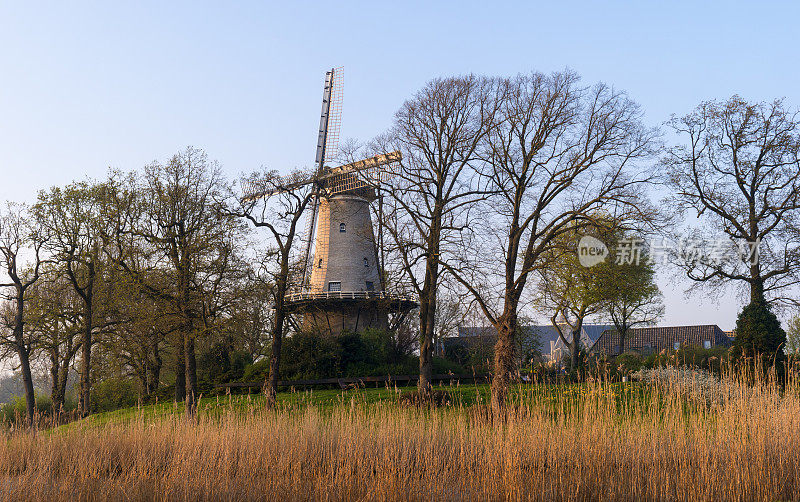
(169, 232)
(54, 313)
(758, 333)
(630, 294)
(73, 218)
(793, 336)
(570, 291)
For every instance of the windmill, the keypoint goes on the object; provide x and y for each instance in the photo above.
(342, 286)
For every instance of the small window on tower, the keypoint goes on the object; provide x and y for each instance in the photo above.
(319, 265)
(370, 286)
(366, 262)
(334, 286)
(342, 228)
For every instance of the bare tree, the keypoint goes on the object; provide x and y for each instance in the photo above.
(738, 172)
(18, 239)
(280, 214)
(452, 305)
(558, 154)
(439, 132)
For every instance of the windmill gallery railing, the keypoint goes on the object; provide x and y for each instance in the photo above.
(346, 295)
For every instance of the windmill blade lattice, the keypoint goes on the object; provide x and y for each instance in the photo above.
(253, 189)
(365, 173)
(308, 237)
(335, 115)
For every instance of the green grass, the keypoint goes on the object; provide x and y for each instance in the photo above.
(555, 398)
(292, 399)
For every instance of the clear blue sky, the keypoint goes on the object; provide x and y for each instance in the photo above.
(87, 86)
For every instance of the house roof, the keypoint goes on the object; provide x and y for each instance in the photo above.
(662, 337)
(488, 335)
(546, 334)
(590, 334)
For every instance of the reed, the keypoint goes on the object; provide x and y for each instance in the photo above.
(657, 440)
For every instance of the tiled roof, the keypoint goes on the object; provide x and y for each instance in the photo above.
(660, 338)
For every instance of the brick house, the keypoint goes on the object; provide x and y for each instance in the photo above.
(656, 339)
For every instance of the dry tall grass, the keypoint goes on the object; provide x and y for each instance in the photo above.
(658, 444)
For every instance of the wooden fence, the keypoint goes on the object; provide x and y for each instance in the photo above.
(345, 383)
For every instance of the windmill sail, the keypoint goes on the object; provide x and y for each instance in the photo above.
(253, 189)
(308, 238)
(335, 115)
(330, 122)
(330, 119)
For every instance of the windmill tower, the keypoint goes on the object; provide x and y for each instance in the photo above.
(342, 285)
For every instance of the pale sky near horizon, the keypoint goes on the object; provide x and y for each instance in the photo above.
(88, 86)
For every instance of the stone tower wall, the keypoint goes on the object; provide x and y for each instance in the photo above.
(347, 257)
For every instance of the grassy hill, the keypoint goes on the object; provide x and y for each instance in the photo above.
(686, 437)
(325, 399)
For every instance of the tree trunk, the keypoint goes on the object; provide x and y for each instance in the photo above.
(425, 346)
(271, 385)
(504, 360)
(141, 374)
(154, 376)
(86, 355)
(191, 374)
(180, 372)
(575, 348)
(427, 319)
(271, 390)
(756, 284)
(62, 380)
(27, 379)
(54, 379)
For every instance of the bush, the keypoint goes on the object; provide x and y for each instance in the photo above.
(758, 334)
(311, 356)
(457, 353)
(257, 371)
(17, 408)
(627, 363)
(443, 366)
(112, 394)
(220, 364)
(476, 357)
(356, 355)
(705, 359)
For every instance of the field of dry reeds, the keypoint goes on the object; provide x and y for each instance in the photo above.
(674, 436)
